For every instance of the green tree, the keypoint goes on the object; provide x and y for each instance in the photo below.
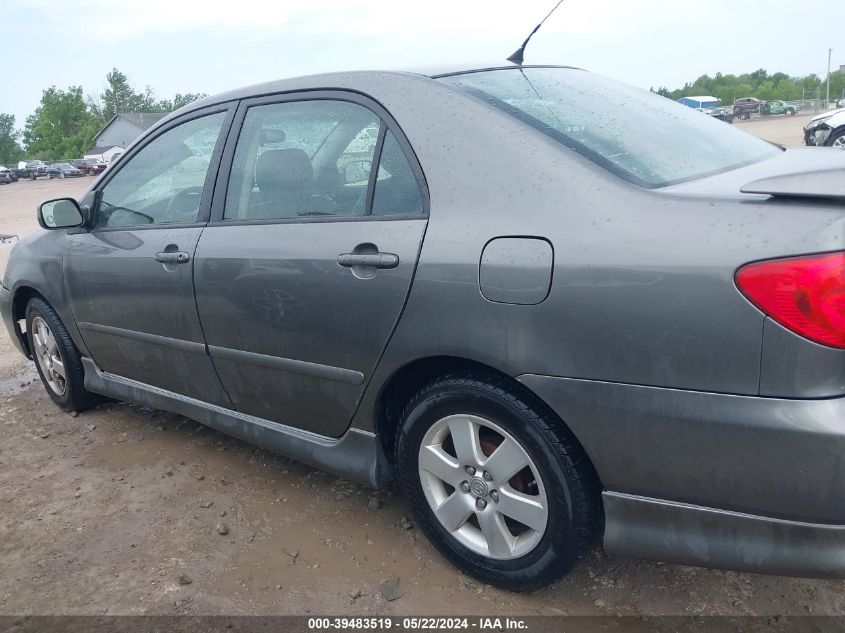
(759, 76)
(10, 150)
(766, 91)
(121, 97)
(837, 86)
(61, 126)
(760, 84)
(179, 100)
(786, 89)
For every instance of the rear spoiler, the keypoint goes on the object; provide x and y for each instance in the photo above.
(821, 183)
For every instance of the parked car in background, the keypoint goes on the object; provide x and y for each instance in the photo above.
(90, 166)
(34, 168)
(605, 353)
(746, 106)
(5, 176)
(710, 106)
(9, 173)
(64, 170)
(826, 129)
(781, 107)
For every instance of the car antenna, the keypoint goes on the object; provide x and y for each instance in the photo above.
(519, 53)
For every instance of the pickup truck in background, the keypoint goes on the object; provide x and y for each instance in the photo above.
(90, 166)
(781, 107)
(32, 169)
(746, 106)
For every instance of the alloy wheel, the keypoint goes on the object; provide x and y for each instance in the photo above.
(483, 487)
(48, 356)
(839, 143)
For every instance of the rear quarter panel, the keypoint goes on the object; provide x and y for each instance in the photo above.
(643, 283)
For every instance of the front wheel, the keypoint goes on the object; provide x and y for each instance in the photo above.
(496, 482)
(836, 138)
(56, 358)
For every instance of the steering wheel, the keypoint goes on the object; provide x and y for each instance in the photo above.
(186, 195)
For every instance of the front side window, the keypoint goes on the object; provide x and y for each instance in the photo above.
(163, 182)
(301, 159)
(640, 136)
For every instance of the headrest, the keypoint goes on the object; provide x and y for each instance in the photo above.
(284, 170)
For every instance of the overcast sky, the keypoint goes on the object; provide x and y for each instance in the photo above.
(214, 45)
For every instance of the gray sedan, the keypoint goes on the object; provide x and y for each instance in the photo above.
(553, 306)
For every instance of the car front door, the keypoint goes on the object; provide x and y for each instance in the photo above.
(130, 275)
(304, 270)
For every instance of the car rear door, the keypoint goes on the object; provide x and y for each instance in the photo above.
(130, 276)
(302, 274)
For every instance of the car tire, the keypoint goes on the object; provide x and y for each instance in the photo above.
(556, 494)
(54, 352)
(836, 138)
(62, 176)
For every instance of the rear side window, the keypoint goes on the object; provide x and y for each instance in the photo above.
(396, 189)
(302, 159)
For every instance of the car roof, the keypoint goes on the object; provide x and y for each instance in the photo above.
(433, 72)
(348, 79)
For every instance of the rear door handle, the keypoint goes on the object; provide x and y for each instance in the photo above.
(371, 260)
(173, 257)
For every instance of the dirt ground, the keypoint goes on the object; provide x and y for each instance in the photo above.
(781, 129)
(128, 510)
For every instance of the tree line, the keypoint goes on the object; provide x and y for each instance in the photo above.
(65, 122)
(759, 84)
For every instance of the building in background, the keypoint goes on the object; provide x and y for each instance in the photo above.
(125, 127)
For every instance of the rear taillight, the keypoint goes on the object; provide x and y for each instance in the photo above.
(804, 294)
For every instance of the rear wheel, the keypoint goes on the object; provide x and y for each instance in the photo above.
(56, 358)
(495, 481)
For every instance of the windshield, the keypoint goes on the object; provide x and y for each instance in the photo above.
(638, 135)
(710, 104)
(64, 166)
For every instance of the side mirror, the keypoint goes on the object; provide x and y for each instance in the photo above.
(62, 213)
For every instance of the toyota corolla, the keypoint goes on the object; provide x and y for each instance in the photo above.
(553, 306)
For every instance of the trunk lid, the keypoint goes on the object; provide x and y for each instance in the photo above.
(796, 172)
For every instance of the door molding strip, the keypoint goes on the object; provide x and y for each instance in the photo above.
(144, 337)
(327, 372)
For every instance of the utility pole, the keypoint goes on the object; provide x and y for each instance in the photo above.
(829, 51)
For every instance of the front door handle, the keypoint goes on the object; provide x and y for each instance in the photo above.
(370, 260)
(173, 257)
